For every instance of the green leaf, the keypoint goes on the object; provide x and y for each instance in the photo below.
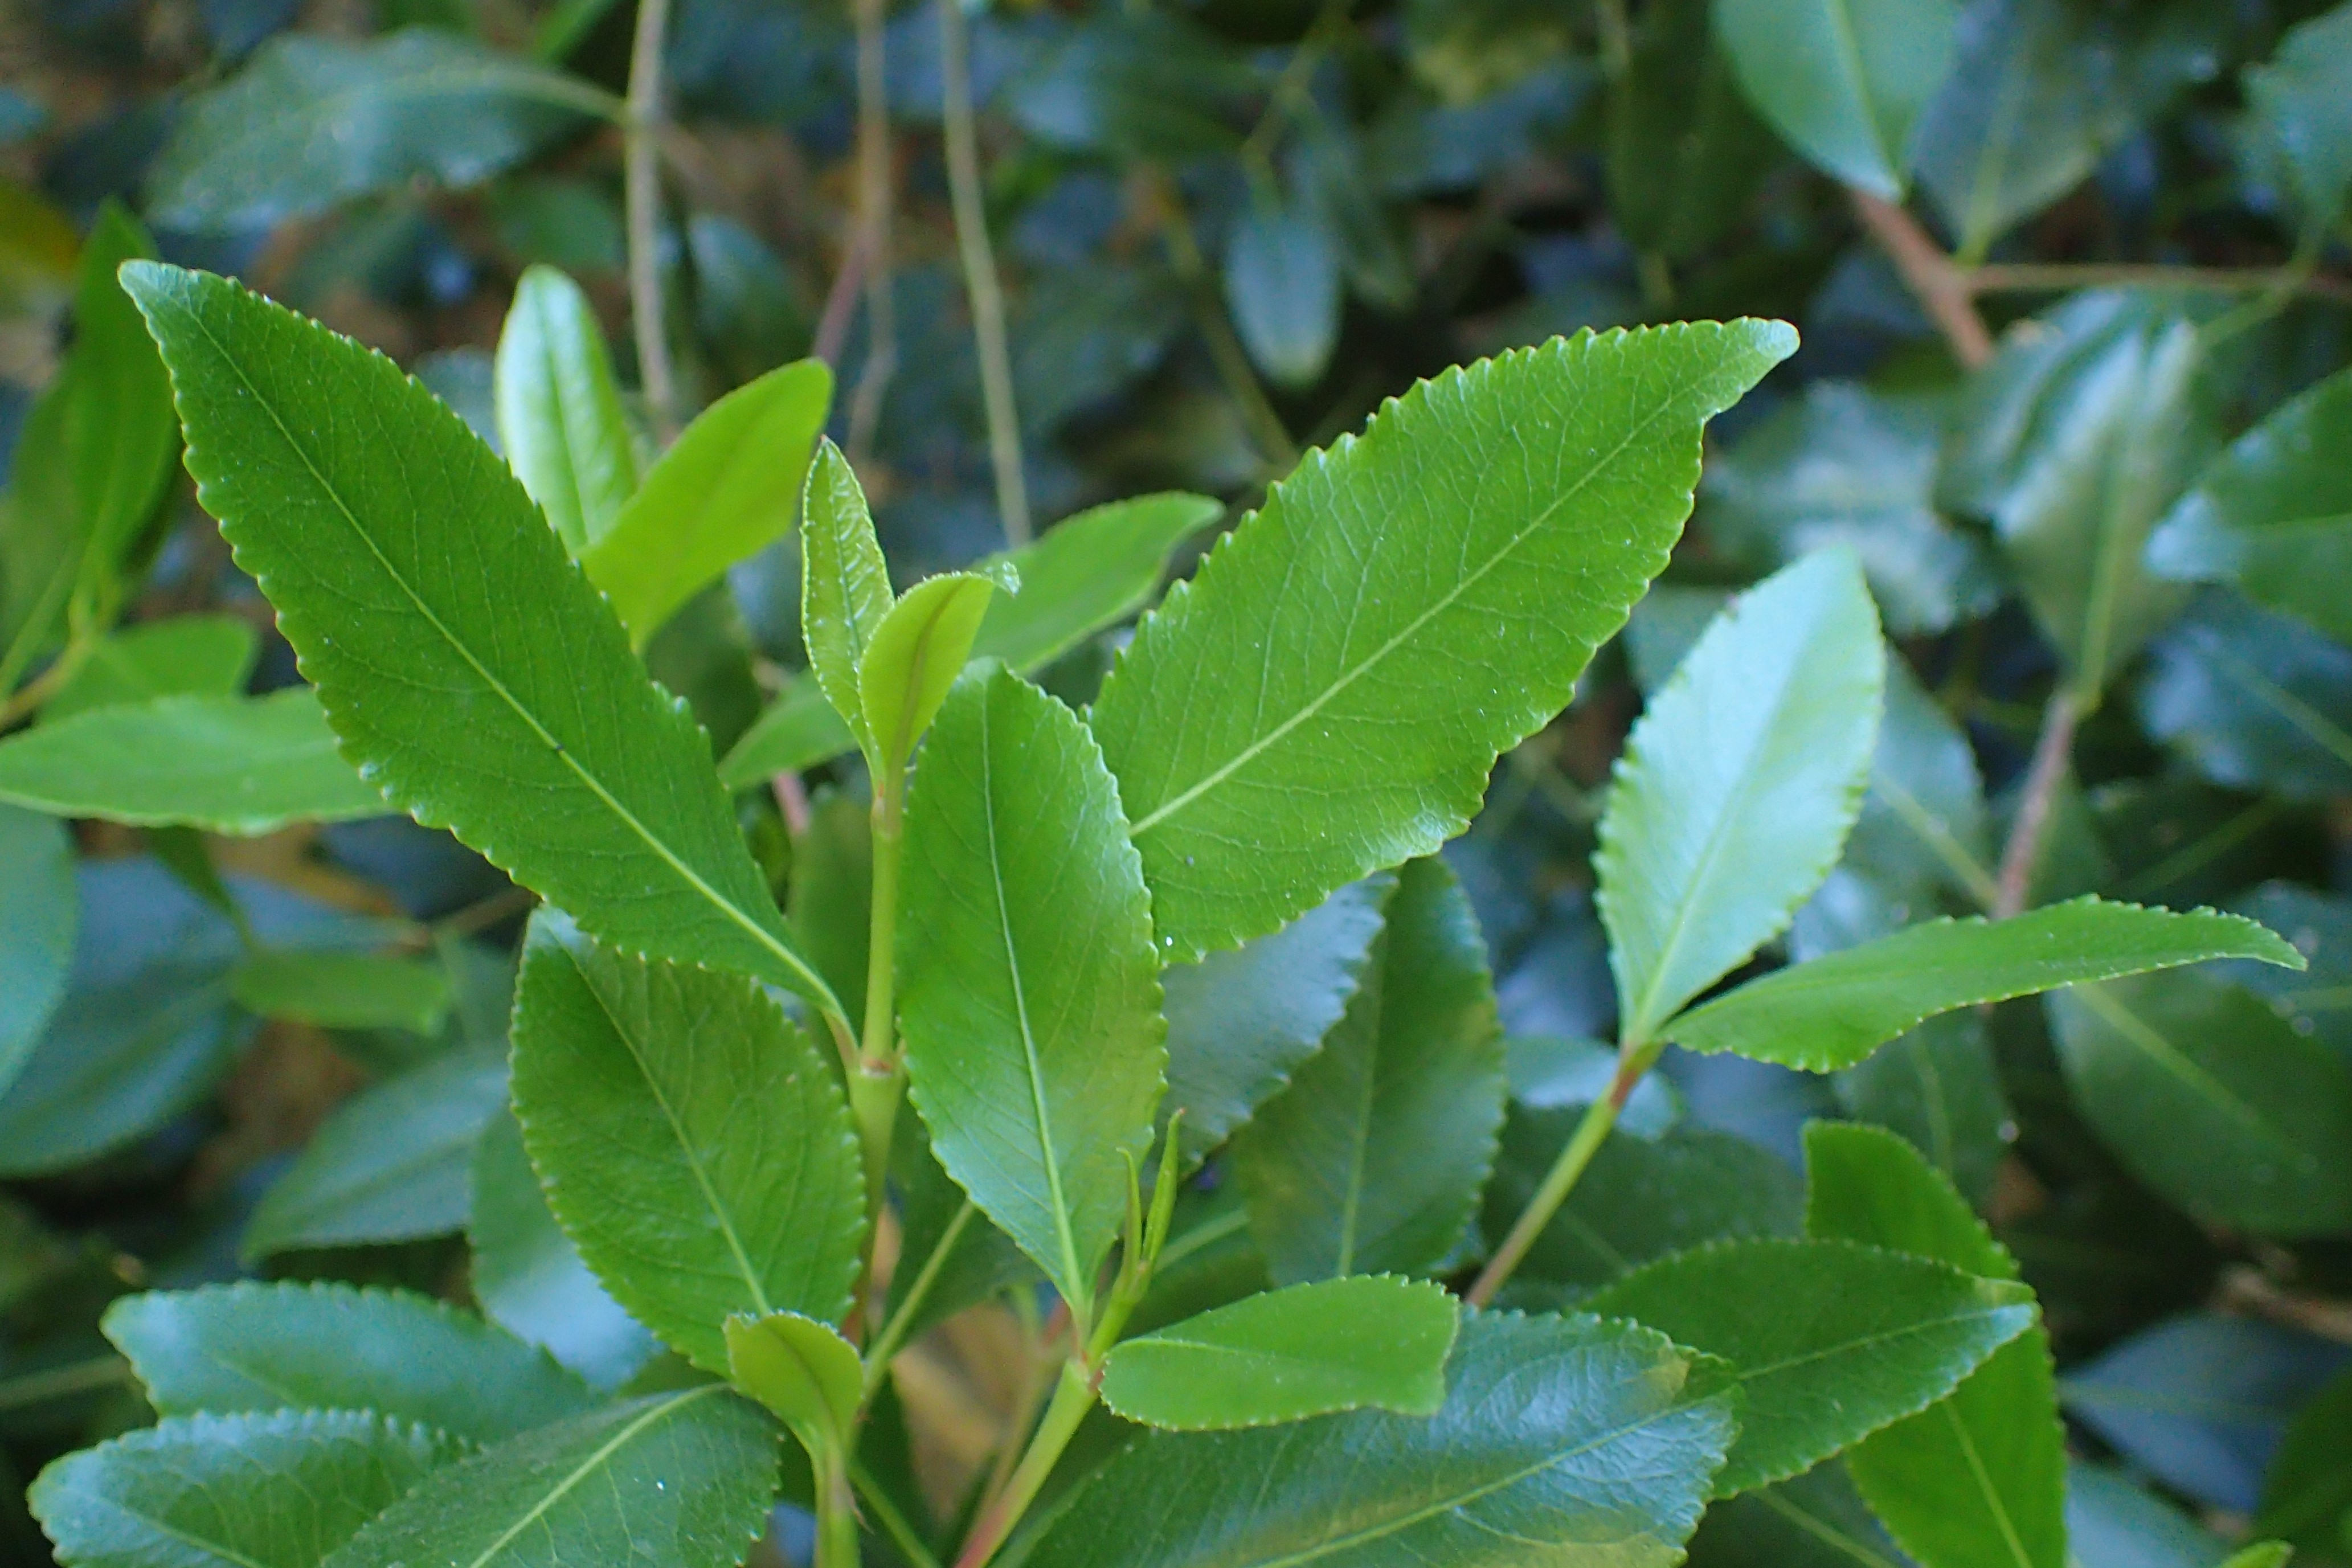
(184, 655)
(1641, 1197)
(2261, 1555)
(2302, 99)
(2213, 1100)
(2075, 442)
(1240, 1023)
(799, 729)
(227, 765)
(1372, 1341)
(41, 909)
(916, 655)
(2271, 514)
(1979, 1477)
(1922, 830)
(324, 1346)
(391, 1165)
(1480, 571)
(1546, 1421)
(1738, 785)
(678, 1114)
(1283, 286)
(1845, 81)
(1684, 151)
(1832, 1341)
(844, 586)
(1030, 995)
(832, 895)
(1939, 1087)
(2255, 700)
(396, 564)
(1836, 1010)
(802, 1370)
(1372, 1160)
(559, 419)
(2307, 1490)
(313, 122)
(1813, 1520)
(725, 490)
(684, 1478)
(946, 1237)
(529, 1278)
(276, 1490)
(344, 990)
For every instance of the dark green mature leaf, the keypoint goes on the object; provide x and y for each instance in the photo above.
(1641, 1197)
(1832, 1011)
(2077, 441)
(1145, 84)
(2115, 1522)
(1979, 1477)
(2307, 1490)
(2255, 700)
(313, 122)
(2302, 100)
(41, 909)
(1684, 151)
(391, 1165)
(1372, 1341)
(1031, 992)
(182, 656)
(396, 562)
(844, 586)
(684, 1479)
(2272, 513)
(323, 1346)
(224, 764)
(276, 1491)
(1922, 826)
(1832, 1341)
(1283, 284)
(1939, 1087)
(1239, 1023)
(727, 488)
(947, 1237)
(2318, 925)
(344, 990)
(799, 729)
(832, 893)
(1372, 1160)
(1813, 1520)
(1738, 785)
(528, 1276)
(1844, 80)
(1479, 571)
(2213, 1100)
(1562, 1440)
(691, 1139)
(559, 419)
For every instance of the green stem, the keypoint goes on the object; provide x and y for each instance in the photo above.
(895, 1523)
(60, 1382)
(1225, 351)
(1634, 1061)
(910, 1301)
(980, 280)
(876, 1075)
(1074, 1396)
(837, 1513)
(874, 200)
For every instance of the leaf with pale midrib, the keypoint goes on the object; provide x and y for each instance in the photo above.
(402, 554)
(1326, 697)
(1845, 80)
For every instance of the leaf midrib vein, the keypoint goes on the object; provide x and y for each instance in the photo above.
(588, 1466)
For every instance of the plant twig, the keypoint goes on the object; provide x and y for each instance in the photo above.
(2022, 853)
(872, 247)
(980, 280)
(1940, 286)
(2058, 276)
(641, 195)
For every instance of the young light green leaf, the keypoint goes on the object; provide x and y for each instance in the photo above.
(1031, 990)
(2213, 1100)
(276, 1491)
(2254, 700)
(1832, 1341)
(2272, 513)
(1240, 1022)
(397, 564)
(1981, 1476)
(803, 1370)
(2300, 99)
(1479, 570)
(1545, 1420)
(182, 655)
(686, 1478)
(845, 587)
(528, 1276)
(678, 1114)
(1372, 1160)
(1738, 785)
(344, 990)
(1375, 1342)
(324, 1346)
(915, 656)
(1832, 1011)
(391, 1165)
(40, 910)
(227, 765)
(724, 491)
(560, 418)
(313, 122)
(1845, 81)
(1087, 572)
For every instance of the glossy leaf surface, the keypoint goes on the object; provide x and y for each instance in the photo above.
(2255, 700)
(38, 916)
(1844, 82)
(1940, 1086)
(1478, 574)
(804, 1371)
(559, 419)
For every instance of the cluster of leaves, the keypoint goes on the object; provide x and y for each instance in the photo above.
(1947, 1191)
